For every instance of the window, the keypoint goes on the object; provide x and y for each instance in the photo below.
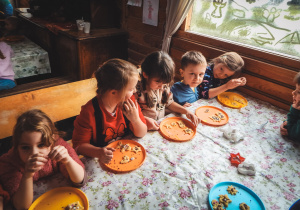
(266, 25)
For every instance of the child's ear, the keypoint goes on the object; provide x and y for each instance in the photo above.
(145, 75)
(181, 72)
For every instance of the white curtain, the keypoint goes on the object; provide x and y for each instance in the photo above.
(177, 11)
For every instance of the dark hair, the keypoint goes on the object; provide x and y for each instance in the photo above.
(232, 60)
(192, 57)
(114, 74)
(297, 78)
(159, 65)
(34, 120)
(2, 56)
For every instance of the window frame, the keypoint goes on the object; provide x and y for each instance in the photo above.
(279, 59)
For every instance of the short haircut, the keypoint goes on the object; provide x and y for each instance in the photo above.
(297, 78)
(192, 57)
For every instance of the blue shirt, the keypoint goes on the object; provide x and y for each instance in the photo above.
(208, 82)
(183, 93)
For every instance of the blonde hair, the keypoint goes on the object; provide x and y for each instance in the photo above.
(34, 120)
(114, 74)
(232, 60)
(192, 57)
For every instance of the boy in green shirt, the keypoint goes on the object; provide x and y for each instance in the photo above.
(291, 127)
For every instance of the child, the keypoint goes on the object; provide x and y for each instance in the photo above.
(109, 115)
(37, 152)
(291, 127)
(6, 70)
(220, 70)
(6, 9)
(153, 90)
(193, 66)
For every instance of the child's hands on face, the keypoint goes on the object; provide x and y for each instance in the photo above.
(233, 83)
(283, 130)
(60, 154)
(187, 104)
(35, 163)
(106, 154)
(193, 118)
(130, 109)
(152, 125)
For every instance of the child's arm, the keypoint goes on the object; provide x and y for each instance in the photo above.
(131, 111)
(23, 197)
(60, 154)
(231, 84)
(175, 107)
(283, 130)
(104, 154)
(293, 122)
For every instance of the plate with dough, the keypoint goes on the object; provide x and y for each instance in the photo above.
(61, 198)
(177, 129)
(128, 156)
(211, 115)
(232, 100)
(237, 193)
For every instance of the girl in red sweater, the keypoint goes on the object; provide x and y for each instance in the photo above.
(110, 114)
(37, 152)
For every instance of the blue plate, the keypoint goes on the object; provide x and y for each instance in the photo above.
(244, 195)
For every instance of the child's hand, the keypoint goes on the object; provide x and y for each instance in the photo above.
(60, 154)
(283, 130)
(34, 163)
(187, 104)
(152, 125)
(130, 110)
(233, 83)
(193, 118)
(106, 154)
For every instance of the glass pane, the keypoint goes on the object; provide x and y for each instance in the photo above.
(268, 24)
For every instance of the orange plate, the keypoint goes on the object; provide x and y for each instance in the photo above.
(212, 110)
(232, 100)
(139, 157)
(59, 198)
(175, 133)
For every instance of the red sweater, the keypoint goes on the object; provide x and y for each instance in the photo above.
(113, 126)
(12, 169)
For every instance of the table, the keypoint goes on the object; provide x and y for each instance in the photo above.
(180, 175)
(29, 59)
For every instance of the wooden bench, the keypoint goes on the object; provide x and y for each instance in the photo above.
(58, 102)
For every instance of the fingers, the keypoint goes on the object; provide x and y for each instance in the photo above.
(187, 104)
(59, 153)
(111, 149)
(35, 163)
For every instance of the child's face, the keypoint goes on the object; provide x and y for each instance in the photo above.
(30, 143)
(221, 71)
(131, 87)
(193, 74)
(9, 26)
(155, 83)
(296, 95)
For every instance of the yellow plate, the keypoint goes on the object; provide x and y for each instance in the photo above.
(232, 100)
(59, 198)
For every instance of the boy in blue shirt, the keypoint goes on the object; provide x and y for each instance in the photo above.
(193, 67)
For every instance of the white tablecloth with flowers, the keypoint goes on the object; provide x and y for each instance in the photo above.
(29, 59)
(180, 175)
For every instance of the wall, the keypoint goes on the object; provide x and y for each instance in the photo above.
(269, 78)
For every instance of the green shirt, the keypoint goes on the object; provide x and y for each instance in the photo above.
(293, 124)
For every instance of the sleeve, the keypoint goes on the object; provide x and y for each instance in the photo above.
(203, 88)
(75, 157)
(4, 194)
(293, 124)
(83, 130)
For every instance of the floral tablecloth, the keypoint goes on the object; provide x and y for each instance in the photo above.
(29, 59)
(180, 175)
